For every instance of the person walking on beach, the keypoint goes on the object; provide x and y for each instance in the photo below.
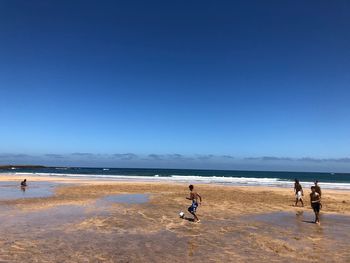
(318, 190)
(298, 193)
(194, 197)
(315, 203)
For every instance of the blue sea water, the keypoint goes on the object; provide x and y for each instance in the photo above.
(253, 178)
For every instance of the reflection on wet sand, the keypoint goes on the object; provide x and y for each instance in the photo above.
(140, 223)
(191, 246)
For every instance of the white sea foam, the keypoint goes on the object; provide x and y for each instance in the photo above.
(243, 181)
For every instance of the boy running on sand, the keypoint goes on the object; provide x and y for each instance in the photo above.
(315, 203)
(194, 196)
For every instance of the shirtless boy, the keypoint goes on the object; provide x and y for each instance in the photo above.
(318, 190)
(194, 196)
(315, 203)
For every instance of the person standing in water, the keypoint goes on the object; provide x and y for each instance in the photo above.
(298, 193)
(315, 200)
(194, 197)
(24, 185)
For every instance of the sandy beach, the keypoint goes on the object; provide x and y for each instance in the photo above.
(82, 220)
(112, 110)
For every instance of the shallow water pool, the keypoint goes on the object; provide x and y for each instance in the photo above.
(13, 190)
(127, 198)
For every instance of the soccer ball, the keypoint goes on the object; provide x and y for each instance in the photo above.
(181, 214)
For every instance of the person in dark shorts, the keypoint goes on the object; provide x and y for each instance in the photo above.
(315, 203)
(299, 193)
(194, 197)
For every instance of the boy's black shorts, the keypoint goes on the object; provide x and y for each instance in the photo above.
(316, 207)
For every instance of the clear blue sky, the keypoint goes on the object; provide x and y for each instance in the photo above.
(247, 79)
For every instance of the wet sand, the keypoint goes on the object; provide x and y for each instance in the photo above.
(89, 221)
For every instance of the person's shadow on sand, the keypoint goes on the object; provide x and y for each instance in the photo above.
(188, 219)
(308, 221)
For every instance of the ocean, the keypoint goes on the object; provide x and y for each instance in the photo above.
(241, 178)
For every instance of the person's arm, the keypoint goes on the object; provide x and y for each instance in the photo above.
(317, 199)
(200, 198)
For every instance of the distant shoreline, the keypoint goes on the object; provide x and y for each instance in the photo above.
(213, 180)
(22, 166)
(30, 166)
